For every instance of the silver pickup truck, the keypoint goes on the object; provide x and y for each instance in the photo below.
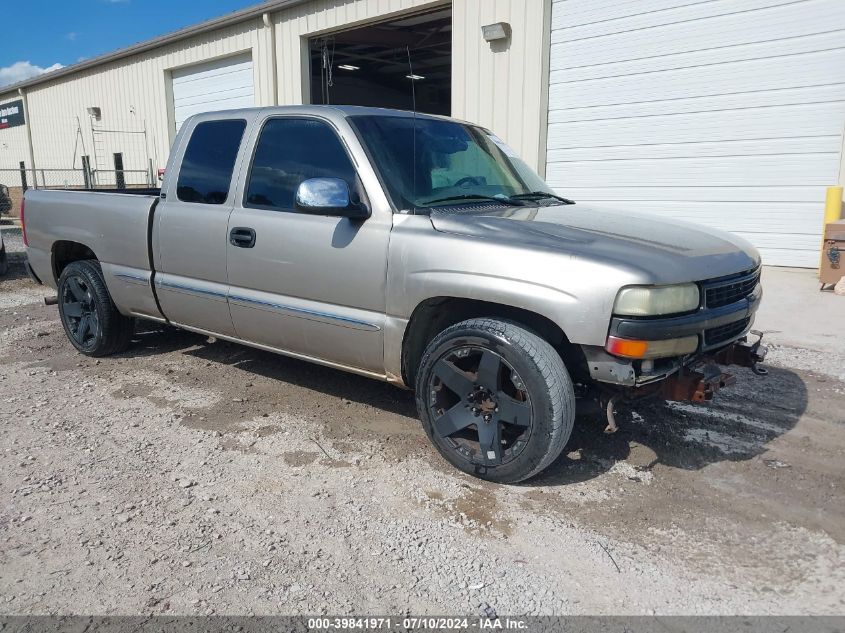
(413, 249)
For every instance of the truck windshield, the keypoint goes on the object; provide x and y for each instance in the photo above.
(431, 163)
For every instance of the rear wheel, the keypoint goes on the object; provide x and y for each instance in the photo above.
(91, 321)
(495, 399)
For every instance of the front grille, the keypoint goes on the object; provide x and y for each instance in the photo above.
(731, 291)
(723, 333)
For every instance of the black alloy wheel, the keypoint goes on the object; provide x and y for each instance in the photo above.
(495, 399)
(92, 322)
(479, 404)
(80, 311)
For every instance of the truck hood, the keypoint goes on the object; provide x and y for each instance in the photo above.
(667, 251)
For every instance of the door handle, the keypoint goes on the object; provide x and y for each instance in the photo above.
(242, 237)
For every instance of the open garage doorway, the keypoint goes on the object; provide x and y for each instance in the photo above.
(369, 66)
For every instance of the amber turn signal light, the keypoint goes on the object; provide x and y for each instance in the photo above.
(626, 347)
(631, 348)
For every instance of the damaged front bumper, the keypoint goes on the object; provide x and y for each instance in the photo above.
(697, 378)
(720, 327)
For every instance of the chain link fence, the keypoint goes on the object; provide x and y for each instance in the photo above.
(106, 150)
(14, 182)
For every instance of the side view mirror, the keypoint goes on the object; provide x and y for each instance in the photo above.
(328, 196)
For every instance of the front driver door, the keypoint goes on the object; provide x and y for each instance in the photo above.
(310, 285)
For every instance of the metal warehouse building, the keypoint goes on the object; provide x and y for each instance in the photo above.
(725, 112)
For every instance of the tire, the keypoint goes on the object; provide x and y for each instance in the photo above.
(4, 261)
(92, 322)
(495, 399)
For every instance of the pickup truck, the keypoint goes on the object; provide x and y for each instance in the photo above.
(413, 249)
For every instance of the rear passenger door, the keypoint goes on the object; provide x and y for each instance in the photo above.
(190, 235)
(311, 285)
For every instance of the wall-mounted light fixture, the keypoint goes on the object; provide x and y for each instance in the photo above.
(349, 67)
(95, 112)
(496, 32)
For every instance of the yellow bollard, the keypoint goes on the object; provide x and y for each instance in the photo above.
(832, 213)
(833, 205)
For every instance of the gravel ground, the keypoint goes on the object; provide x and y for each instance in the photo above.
(187, 476)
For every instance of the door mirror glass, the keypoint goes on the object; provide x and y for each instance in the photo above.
(328, 196)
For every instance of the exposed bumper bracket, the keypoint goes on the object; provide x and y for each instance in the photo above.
(701, 383)
(745, 354)
(695, 386)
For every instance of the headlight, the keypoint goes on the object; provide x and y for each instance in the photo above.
(653, 301)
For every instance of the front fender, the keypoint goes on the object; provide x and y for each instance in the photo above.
(575, 293)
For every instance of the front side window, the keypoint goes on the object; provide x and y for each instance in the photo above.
(290, 151)
(428, 163)
(209, 161)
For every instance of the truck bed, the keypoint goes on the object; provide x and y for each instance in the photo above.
(113, 225)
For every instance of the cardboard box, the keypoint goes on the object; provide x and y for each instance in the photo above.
(833, 253)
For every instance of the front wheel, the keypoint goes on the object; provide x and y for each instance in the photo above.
(495, 399)
(91, 321)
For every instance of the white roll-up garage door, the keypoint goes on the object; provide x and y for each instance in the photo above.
(728, 112)
(218, 85)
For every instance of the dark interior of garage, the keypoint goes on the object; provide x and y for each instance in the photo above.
(370, 66)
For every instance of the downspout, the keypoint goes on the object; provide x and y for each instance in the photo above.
(268, 22)
(842, 160)
(28, 123)
(545, 74)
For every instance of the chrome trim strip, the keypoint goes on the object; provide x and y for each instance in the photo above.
(189, 289)
(135, 279)
(303, 312)
(345, 321)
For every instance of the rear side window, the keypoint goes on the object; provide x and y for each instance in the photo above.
(290, 151)
(209, 161)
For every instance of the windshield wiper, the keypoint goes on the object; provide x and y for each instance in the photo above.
(538, 195)
(475, 196)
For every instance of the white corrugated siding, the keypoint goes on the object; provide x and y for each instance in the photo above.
(727, 112)
(502, 86)
(222, 84)
(13, 148)
(134, 94)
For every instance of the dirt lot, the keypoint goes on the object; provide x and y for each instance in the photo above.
(189, 476)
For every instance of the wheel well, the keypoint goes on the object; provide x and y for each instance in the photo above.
(65, 252)
(434, 315)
